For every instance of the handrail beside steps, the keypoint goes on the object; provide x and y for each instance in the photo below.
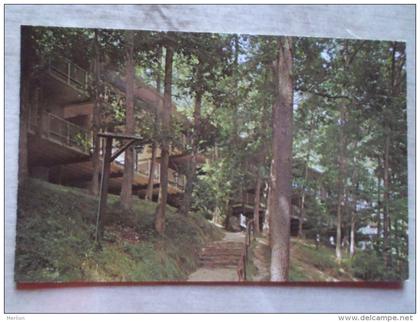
(249, 232)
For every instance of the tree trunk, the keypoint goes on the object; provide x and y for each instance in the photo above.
(352, 235)
(266, 224)
(386, 219)
(190, 178)
(94, 184)
(302, 203)
(257, 202)
(385, 223)
(235, 94)
(379, 231)
(126, 187)
(338, 228)
(149, 191)
(192, 166)
(228, 212)
(355, 182)
(281, 170)
(352, 247)
(341, 181)
(166, 117)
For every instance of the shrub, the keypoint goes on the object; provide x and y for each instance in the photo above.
(367, 265)
(55, 241)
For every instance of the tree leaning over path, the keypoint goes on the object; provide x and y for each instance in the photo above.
(281, 166)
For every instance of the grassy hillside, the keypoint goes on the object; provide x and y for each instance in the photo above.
(311, 264)
(307, 263)
(55, 232)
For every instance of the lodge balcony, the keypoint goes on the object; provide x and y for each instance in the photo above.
(174, 178)
(68, 72)
(60, 151)
(53, 140)
(68, 85)
(245, 203)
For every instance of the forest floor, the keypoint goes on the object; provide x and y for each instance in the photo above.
(307, 263)
(55, 243)
(219, 261)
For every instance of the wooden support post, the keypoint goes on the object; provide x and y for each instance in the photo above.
(106, 165)
(121, 150)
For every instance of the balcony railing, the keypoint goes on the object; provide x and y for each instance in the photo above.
(247, 199)
(67, 133)
(69, 72)
(174, 178)
(144, 168)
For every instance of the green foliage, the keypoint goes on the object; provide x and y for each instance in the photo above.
(348, 101)
(55, 242)
(298, 274)
(349, 96)
(83, 141)
(368, 266)
(309, 263)
(322, 258)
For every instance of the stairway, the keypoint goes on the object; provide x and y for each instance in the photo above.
(219, 260)
(221, 254)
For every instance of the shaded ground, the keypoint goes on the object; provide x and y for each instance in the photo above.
(219, 260)
(55, 239)
(307, 263)
(311, 264)
(261, 259)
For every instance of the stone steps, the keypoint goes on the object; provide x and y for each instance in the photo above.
(221, 254)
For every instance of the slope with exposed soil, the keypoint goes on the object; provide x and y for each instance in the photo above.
(55, 239)
(307, 263)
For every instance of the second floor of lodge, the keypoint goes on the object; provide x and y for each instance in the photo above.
(64, 90)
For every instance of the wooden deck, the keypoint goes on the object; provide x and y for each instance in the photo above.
(64, 148)
(46, 151)
(81, 172)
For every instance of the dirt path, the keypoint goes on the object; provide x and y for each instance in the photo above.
(219, 260)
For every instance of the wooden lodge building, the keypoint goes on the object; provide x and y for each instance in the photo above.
(59, 130)
(60, 141)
